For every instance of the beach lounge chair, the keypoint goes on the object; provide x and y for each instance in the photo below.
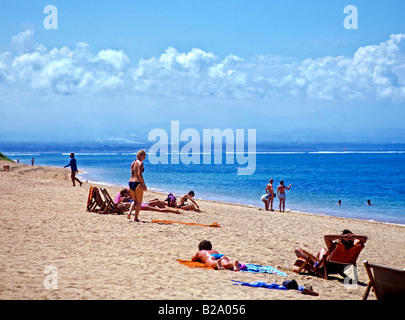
(387, 283)
(333, 262)
(110, 207)
(95, 202)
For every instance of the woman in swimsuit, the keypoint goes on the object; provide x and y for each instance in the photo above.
(149, 207)
(136, 184)
(192, 206)
(281, 194)
(212, 258)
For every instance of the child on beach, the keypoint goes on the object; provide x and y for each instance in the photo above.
(213, 258)
(281, 194)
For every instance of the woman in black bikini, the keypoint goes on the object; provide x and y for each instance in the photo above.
(136, 184)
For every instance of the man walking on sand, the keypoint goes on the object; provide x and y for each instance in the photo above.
(73, 166)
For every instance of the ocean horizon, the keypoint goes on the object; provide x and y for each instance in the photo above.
(320, 174)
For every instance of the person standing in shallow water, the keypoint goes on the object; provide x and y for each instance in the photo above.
(136, 184)
(73, 166)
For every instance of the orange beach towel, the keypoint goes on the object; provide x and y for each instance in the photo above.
(212, 225)
(194, 264)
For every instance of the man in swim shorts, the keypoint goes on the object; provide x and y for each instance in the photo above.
(270, 195)
(213, 258)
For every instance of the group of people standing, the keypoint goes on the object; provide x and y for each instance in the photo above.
(268, 197)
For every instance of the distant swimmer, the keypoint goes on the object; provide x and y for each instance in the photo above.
(339, 203)
(369, 203)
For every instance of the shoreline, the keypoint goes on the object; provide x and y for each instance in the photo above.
(107, 184)
(299, 205)
(163, 194)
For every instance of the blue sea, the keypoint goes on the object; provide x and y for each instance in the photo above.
(319, 178)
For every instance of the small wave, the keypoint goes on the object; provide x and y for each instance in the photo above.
(93, 154)
(21, 154)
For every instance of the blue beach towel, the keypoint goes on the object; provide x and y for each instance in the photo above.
(260, 284)
(255, 268)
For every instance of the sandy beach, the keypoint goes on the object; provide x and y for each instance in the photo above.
(45, 228)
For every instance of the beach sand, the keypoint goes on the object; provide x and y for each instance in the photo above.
(44, 224)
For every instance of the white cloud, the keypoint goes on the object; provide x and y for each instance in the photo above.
(117, 59)
(373, 72)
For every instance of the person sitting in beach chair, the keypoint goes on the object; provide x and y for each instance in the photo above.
(123, 199)
(213, 258)
(95, 202)
(342, 251)
(192, 206)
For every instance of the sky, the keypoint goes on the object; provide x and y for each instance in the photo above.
(115, 70)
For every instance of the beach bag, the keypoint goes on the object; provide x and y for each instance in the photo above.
(171, 199)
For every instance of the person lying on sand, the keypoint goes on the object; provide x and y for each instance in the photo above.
(124, 200)
(152, 207)
(192, 206)
(213, 258)
(157, 203)
(148, 206)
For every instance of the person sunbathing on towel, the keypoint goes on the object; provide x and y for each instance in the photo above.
(213, 258)
(148, 206)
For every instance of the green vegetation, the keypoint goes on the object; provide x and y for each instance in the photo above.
(3, 157)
